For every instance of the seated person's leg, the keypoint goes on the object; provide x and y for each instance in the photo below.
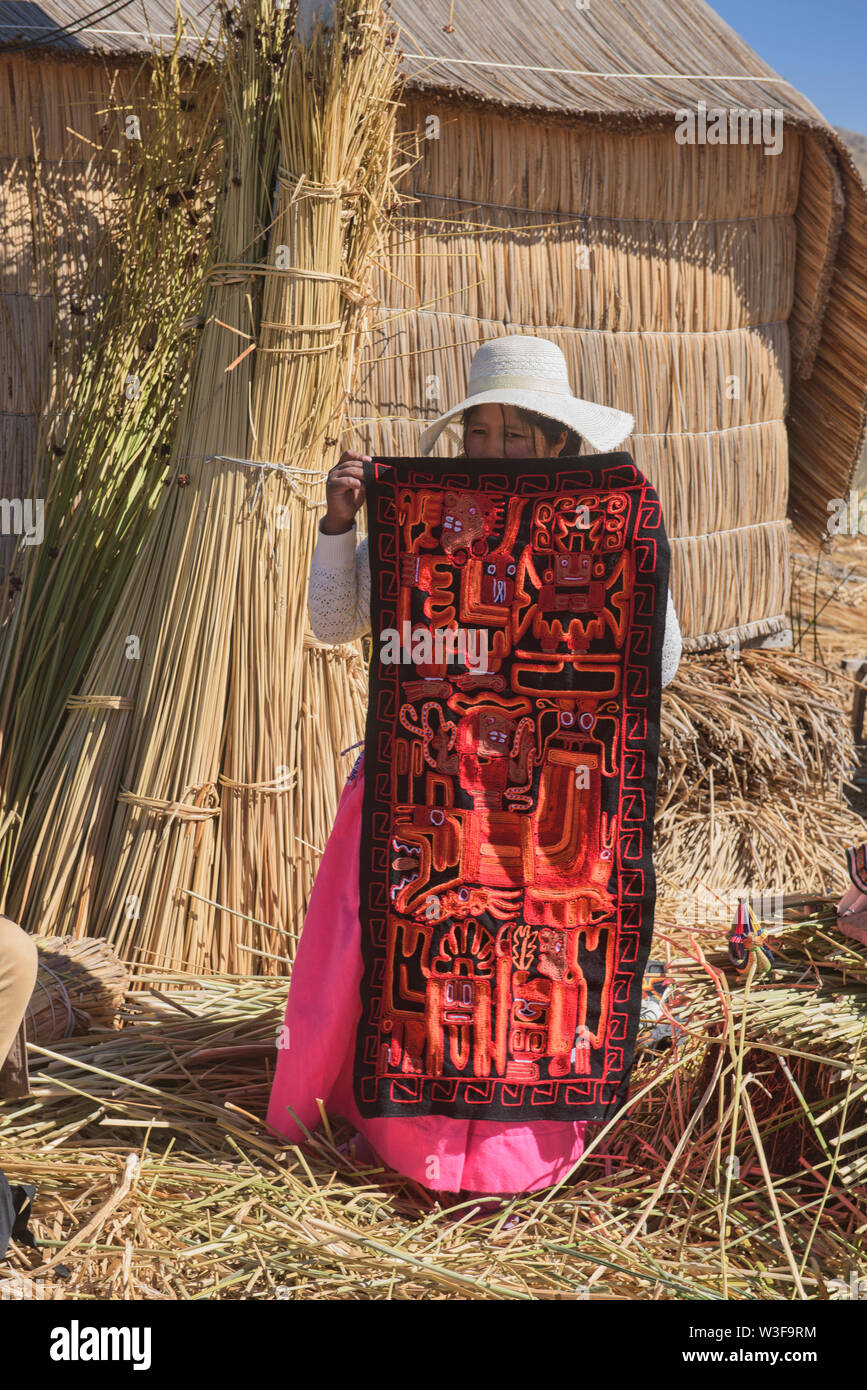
(18, 965)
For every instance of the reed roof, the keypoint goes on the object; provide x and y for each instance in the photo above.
(634, 56)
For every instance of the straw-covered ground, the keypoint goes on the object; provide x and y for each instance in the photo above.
(737, 1170)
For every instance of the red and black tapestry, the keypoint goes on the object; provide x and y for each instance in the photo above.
(507, 888)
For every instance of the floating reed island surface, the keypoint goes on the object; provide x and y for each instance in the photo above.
(736, 1171)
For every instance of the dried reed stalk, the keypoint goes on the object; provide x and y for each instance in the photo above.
(655, 1209)
(756, 754)
(829, 593)
(148, 715)
(281, 772)
(106, 422)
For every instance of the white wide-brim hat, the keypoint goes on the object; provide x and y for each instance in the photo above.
(531, 373)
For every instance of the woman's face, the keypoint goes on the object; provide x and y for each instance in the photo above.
(497, 431)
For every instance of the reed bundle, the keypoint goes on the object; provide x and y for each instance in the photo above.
(211, 813)
(756, 752)
(145, 724)
(107, 418)
(59, 190)
(530, 165)
(214, 1206)
(291, 711)
(80, 985)
(673, 256)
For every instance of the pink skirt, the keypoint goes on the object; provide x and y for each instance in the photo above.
(316, 1050)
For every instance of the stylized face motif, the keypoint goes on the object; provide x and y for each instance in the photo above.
(498, 580)
(568, 585)
(570, 567)
(552, 953)
(457, 1001)
(529, 1012)
(463, 521)
(494, 733)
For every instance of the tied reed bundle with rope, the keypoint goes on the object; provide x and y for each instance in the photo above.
(226, 578)
(109, 409)
(141, 743)
(293, 704)
(80, 986)
(335, 123)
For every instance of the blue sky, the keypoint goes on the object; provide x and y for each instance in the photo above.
(821, 47)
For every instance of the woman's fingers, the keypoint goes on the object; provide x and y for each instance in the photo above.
(346, 474)
(852, 915)
(344, 488)
(347, 470)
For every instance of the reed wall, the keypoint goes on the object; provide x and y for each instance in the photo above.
(687, 284)
(665, 272)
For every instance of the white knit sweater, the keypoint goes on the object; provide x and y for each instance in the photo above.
(338, 597)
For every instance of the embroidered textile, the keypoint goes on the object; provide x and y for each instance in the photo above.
(507, 888)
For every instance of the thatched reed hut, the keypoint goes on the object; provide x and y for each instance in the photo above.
(715, 290)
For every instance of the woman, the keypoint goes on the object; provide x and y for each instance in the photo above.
(519, 405)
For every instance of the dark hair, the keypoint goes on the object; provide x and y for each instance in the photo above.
(551, 429)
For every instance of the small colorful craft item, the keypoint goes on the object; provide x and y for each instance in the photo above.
(748, 948)
(655, 1031)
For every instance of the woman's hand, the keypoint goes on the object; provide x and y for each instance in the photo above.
(344, 493)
